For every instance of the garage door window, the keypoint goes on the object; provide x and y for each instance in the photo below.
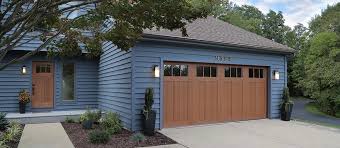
(175, 70)
(233, 72)
(206, 71)
(256, 73)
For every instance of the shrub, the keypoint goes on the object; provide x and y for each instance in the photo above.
(148, 102)
(3, 121)
(12, 133)
(98, 116)
(69, 120)
(90, 115)
(99, 137)
(3, 144)
(111, 123)
(138, 137)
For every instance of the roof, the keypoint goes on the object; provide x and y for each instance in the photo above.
(214, 31)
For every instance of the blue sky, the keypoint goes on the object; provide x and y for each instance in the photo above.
(294, 11)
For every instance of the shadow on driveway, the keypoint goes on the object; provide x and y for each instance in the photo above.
(299, 112)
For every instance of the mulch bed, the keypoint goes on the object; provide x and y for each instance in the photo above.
(79, 138)
(13, 144)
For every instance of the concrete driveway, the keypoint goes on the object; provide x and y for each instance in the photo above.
(256, 134)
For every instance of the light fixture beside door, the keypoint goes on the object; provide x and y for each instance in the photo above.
(156, 71)
(276, 75)
(23, 70)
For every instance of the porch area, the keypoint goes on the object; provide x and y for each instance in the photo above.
(44, 117)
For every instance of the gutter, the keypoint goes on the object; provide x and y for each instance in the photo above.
(152, 37)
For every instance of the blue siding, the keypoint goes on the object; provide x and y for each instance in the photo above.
(115, 82)
(147, 54)
(86, 80)
(86, 85)
(11, 82)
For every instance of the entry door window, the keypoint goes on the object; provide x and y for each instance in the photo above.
(43, 68)
(68, 81)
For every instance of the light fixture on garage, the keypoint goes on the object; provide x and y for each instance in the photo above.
(156, 71)
(276, 75)
(23, 69)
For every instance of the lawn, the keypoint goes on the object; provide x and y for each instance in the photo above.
(313, 108)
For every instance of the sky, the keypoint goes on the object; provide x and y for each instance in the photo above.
(294, 11)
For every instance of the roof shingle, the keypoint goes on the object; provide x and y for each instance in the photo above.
(213, 30)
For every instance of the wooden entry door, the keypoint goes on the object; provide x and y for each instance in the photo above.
(42, 84)
(196, 93)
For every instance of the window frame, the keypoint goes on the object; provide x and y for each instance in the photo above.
(210, 71)
(259, 69)
(172, 65)
(236, 72)
(74, 100)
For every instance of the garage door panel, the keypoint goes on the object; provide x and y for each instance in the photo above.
(168, 102)
(237, 100)
(192, 99)
(211, 93)
(224, 105)
(261, 99)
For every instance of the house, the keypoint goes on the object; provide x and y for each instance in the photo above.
(218, 73)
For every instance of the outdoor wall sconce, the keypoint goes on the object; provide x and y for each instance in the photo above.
(276, 75)
(23, 70)
(156, 71)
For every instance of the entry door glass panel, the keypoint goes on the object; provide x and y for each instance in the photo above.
(68, 81)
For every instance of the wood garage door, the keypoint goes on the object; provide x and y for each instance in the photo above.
(207, 93)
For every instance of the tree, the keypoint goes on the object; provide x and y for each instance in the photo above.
(273, 26)
(321, 80)
(246, 17)
(327, 21)
(53, 23)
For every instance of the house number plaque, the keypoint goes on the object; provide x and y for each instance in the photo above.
(222, 58)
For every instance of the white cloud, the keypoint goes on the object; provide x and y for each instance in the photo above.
(294, 11)
(241, 2)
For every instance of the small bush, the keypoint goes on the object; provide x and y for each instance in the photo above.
(90, 115)
(69, 120)
(3, 121)
(3, 144)
(12, 133)
(138, 138)
(99, 137)
(112, 123)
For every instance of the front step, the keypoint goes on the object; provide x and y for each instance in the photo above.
(44, 117)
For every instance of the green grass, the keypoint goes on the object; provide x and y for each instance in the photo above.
(313, 108)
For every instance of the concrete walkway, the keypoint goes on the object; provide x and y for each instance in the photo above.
(256, 134)
(299, 112)
(47, 135)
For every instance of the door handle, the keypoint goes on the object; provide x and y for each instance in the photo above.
(33, 89)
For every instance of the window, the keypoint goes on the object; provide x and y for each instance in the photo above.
(43, 68)
(206, 71)
(175, 70)
(68, 81)
(233, 72)
(199, 71)
(184, 70)
(167, 70)
(256, 73)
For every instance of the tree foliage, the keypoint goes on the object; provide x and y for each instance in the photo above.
(52, 22)
(322, 78)
(315, 68)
